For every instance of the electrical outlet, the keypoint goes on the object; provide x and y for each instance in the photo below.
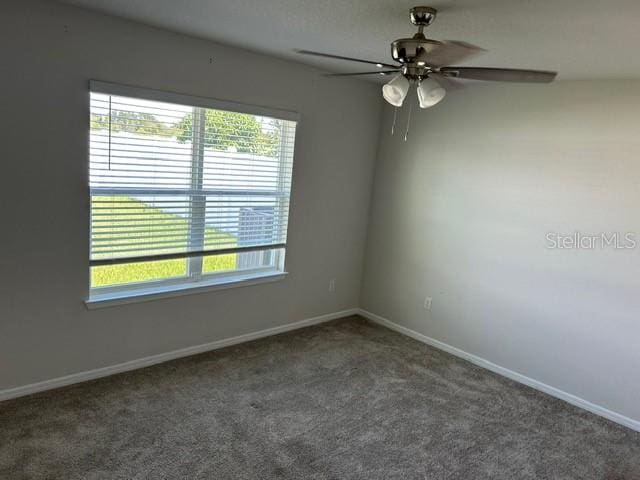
(427, 303)
(332, 285)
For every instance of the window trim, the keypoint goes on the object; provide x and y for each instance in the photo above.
(104, 300)
(117, 89)
(189, 283)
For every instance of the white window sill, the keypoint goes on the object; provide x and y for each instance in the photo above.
(145, 295)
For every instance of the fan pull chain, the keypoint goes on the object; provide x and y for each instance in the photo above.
(395, 116)
(406, 133)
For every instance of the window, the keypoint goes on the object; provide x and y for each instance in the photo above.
(185, 191)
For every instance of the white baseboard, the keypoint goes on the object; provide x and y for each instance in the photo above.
(164, 357)
(505, 372)
(185, 352)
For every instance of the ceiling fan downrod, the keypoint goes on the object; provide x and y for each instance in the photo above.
(422, 17)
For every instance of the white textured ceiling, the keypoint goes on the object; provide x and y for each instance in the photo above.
(582, 39)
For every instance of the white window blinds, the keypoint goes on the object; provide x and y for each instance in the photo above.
(173, 177)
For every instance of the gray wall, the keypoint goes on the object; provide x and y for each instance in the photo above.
(460, 213)
(49, 52)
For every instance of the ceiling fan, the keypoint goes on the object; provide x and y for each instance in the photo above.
(427, 63)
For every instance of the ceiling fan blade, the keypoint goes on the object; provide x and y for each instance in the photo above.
(340, 57)
(500, 74)
(448, 52)
(447, 83)
(379, 72)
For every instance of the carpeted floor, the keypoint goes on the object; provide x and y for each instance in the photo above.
(344, 400)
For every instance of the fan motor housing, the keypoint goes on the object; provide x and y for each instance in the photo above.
(405, 50)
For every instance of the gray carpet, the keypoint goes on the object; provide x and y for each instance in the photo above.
(343, 400)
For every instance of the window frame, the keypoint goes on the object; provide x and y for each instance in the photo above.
(195, 278)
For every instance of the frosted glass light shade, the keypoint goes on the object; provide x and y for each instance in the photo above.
(430, 92)
(396, 90)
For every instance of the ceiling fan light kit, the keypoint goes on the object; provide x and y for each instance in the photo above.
(430, 92)
(396, 90)
(427, 63)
